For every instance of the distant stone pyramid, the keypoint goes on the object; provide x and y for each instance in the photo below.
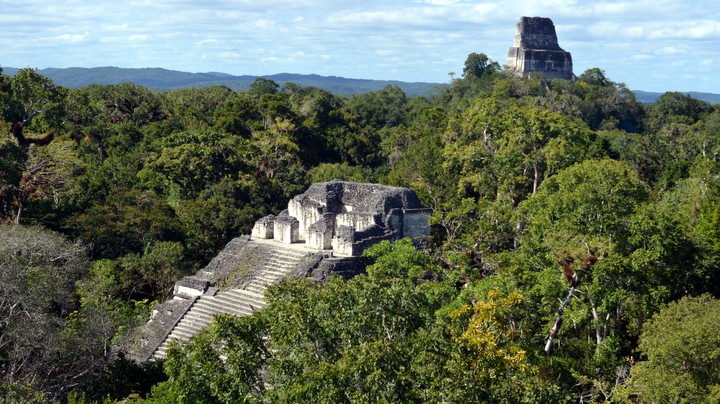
(536, 49)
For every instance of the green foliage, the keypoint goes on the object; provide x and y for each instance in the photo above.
(154, 272)
(504, 151)
(197, 374)
(521, 172)
(122, 380)
(478, 65)
(380, 337)
(341, 171)
(12, 160)
(38, 271)
(12, 393)
(674, 107)
(238, 116)
(683, 362)
(595, 76)
(415, 155)
(589, 203)
(196, 108)
(33, 101)
(126, 223)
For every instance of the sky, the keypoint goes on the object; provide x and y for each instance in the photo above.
(649, 45)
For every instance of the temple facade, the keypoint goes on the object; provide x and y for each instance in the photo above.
(536, 49)
(347, 217)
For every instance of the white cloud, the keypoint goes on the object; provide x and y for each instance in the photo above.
(640, 57)
(206, 42)
(424, 38)
(114, 28)
(442, 2)
(265, 24)
(72, 37)
(698, 29)
(670, 50)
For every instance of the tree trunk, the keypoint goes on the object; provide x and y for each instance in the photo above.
(17, 213)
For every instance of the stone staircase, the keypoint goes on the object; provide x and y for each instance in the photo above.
(271, 265)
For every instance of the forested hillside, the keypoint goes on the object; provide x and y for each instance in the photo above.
(546, 194)
(163, 79)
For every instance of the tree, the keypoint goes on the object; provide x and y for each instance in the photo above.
(224, 210)
(367, 121)
(396, 334)
(38, 271)
(12, 159)
(107, 120)
(196, 108)
(504, 151)
(318, 113)
(48, 178)
(589, 201)
(154, 272)
(29, 102)
(277, 148)
(478, 65)
(415, 155)
(596, 77)
(32, 101)
(262, 86)
(674, 107)
(330, 171)
(126, 224)
(187, 162)
(238, 115)
(683, 362)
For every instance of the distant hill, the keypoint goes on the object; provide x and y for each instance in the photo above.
(650, 98)
(163, 79)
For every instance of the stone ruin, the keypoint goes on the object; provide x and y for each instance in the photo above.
(346, 217)
(536, 49)
(323, 232)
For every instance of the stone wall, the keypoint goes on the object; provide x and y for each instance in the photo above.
(286, 229)
(346, 217)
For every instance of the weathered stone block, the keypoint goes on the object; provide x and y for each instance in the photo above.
(344, 240)
(356, 220)
(286, 229)
(264, 228)
(319, 234)
(190, 286)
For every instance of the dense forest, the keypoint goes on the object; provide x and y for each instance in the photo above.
(548, 196)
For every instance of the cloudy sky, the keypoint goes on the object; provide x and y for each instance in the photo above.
(651, 45)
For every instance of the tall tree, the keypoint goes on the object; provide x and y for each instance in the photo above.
(38, 271)
(478, 65)
(682, 359)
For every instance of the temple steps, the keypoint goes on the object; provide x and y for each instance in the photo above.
(276, 264)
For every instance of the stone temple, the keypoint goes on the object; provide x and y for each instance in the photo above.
(346, 217)
(322, 232)
(536, 49)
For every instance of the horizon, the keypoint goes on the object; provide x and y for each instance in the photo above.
(309, 74)
(652, 46)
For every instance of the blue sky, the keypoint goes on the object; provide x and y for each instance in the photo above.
(651, 45)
